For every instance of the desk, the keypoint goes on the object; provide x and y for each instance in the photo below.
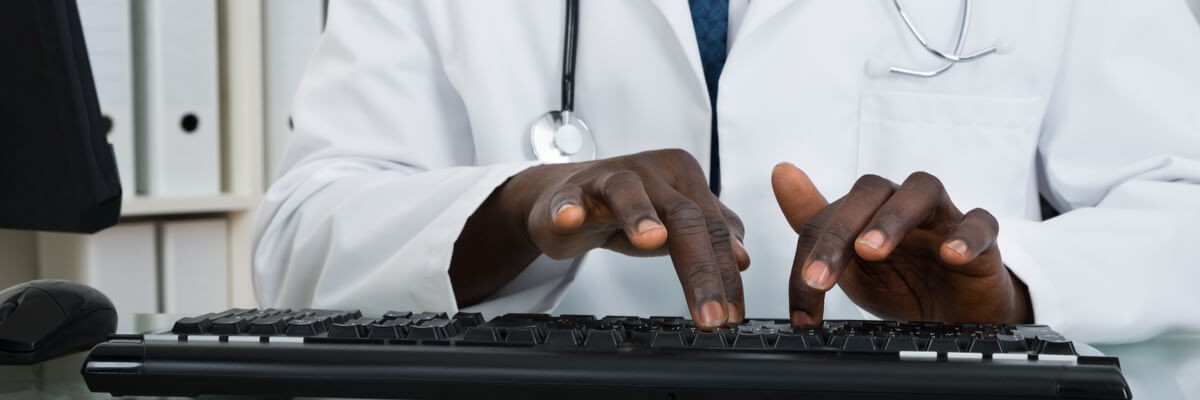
(1165, 368)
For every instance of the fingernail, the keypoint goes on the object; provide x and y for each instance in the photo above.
(958, 246)
(872, 239)
(712, 314)
(817, 275)
(733, 316)
(563, 207)
(647, 225)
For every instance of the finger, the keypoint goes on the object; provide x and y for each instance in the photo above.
(920, 200)
(737, 233)
(972, 237)
(721, 232)
(740, 255)
(692, 254)
(806, 306)
(567, 210)
(798, 198)
(834, 248)
(626, 197)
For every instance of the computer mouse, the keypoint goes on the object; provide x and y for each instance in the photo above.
(43, 319)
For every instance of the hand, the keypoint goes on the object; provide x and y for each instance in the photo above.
(902, 252)
(646, 204)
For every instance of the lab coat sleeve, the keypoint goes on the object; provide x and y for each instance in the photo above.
(378, 178)
(1120, 153)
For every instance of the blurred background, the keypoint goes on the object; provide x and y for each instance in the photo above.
(196, 97)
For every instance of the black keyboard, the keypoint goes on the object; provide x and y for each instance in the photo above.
(337, 353)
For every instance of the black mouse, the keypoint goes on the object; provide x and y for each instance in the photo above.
(43, 319)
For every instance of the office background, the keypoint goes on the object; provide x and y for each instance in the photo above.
(197, 134)
(184, 249)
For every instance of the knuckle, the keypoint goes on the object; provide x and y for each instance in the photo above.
(926, 180)
(893, 215)
(838, 234)
(986, 218)
(685, 216)
(718, 231)
(704, 275)
(621, 180)
(871, 182)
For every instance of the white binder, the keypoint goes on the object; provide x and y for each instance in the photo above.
(291, 29)
(179, 125)
(195, 265)
(107, 30)
(120, 262)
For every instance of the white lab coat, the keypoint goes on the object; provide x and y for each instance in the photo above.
(412, 112)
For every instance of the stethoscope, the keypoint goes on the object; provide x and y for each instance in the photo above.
(561, 136)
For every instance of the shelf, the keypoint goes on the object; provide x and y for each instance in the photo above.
(151, 206)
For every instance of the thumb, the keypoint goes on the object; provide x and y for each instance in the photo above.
(798, 198)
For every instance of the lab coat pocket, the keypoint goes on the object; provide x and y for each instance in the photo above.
(982, 148)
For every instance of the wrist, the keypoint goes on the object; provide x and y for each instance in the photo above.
(1022, 304)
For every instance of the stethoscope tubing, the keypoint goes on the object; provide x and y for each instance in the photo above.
(570, 49)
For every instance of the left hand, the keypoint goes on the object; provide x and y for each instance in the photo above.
(902, 252)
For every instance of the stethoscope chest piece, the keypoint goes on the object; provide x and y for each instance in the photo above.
(560, 137)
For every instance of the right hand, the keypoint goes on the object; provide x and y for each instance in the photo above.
(646, 204)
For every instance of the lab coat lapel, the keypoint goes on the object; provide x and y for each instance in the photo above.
(679, 16)
(758, 13)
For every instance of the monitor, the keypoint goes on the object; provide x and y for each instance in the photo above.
(57, 171)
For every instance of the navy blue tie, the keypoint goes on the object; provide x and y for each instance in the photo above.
(710, 18)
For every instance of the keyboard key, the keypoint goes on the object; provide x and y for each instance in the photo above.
(202, 324)
(468, 320)
(943, 345)
(900, 343)
(668, 340)
(791, 342)
(434, 329)
(985, 346)
(272, 325)
(425, 316)
(602, 340)
(394, 329)
(482, 334)
(234, 325)
(390, 315)
(750, 341)
(309, 326)
(709, 340)
(1062, 347)
(859, 343)
(562, 339)
(352, 329)
(1012, 343)
(528, 336)
(578, 317)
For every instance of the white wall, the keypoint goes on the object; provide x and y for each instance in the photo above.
(18, 258)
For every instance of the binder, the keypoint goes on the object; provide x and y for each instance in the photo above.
(108, 31)
(177, 97)
(195, 265)
(291, 29)
(120, 262)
